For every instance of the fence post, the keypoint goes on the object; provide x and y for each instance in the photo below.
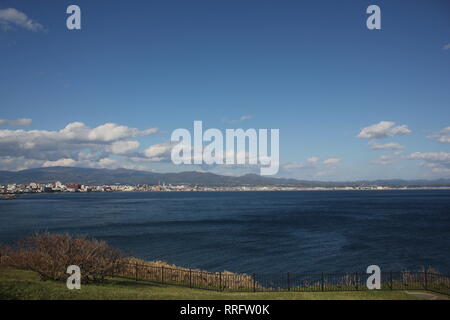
(162, 274)
(254, 283)
(201, 279)
(220, 281)
(136, 272)
(356, 281)
(323, 282)
(391, 281)
(190, 278)
(288, 282)
(426, 279)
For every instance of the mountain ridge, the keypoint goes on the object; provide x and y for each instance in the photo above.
(94, 176)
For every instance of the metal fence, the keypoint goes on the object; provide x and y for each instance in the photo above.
(295, 282)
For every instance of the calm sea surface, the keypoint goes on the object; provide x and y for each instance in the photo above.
(303, 231)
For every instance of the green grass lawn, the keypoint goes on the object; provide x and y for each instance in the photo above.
(19, 284)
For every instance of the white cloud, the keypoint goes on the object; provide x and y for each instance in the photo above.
(439, 162)
(21, 163)
(67, 162)
(74, 145)
(123, 147)
(311, 168)
(387, 146)
(75, 135)
(309, 163)
(437, 168)
(107, 132)
(446, 47)
(313, 160)
(158, 152)
(383, 129)
(241, 119)
(324, 173)
(431, 156)
(16, 123)
(112, 131)
(18, 163)
(11, 17)
(294, 165)
(442, 136)
(245, 117)
(389, 158)
(332, 161)
(108, 163)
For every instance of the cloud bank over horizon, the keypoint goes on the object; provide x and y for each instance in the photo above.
(75, 145)
(111, 145)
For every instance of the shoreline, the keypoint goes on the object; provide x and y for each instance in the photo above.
(233, 189)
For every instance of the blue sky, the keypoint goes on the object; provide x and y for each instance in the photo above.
(310, 68)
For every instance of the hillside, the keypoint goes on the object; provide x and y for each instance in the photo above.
(93, 176)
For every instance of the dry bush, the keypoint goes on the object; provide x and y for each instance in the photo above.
(4, 254)
(50, 254)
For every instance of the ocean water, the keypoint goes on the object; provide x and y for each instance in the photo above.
(304, 231)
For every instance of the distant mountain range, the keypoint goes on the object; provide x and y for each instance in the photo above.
(91, 176)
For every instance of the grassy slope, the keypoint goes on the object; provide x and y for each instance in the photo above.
(17, 284)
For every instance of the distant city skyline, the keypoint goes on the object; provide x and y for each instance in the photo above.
(350, 103)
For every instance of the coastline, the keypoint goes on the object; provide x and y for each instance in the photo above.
(232, 189)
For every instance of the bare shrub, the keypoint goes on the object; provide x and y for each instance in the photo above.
(4, 254)
(50, 254)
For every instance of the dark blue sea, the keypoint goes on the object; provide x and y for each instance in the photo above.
(305, 231)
